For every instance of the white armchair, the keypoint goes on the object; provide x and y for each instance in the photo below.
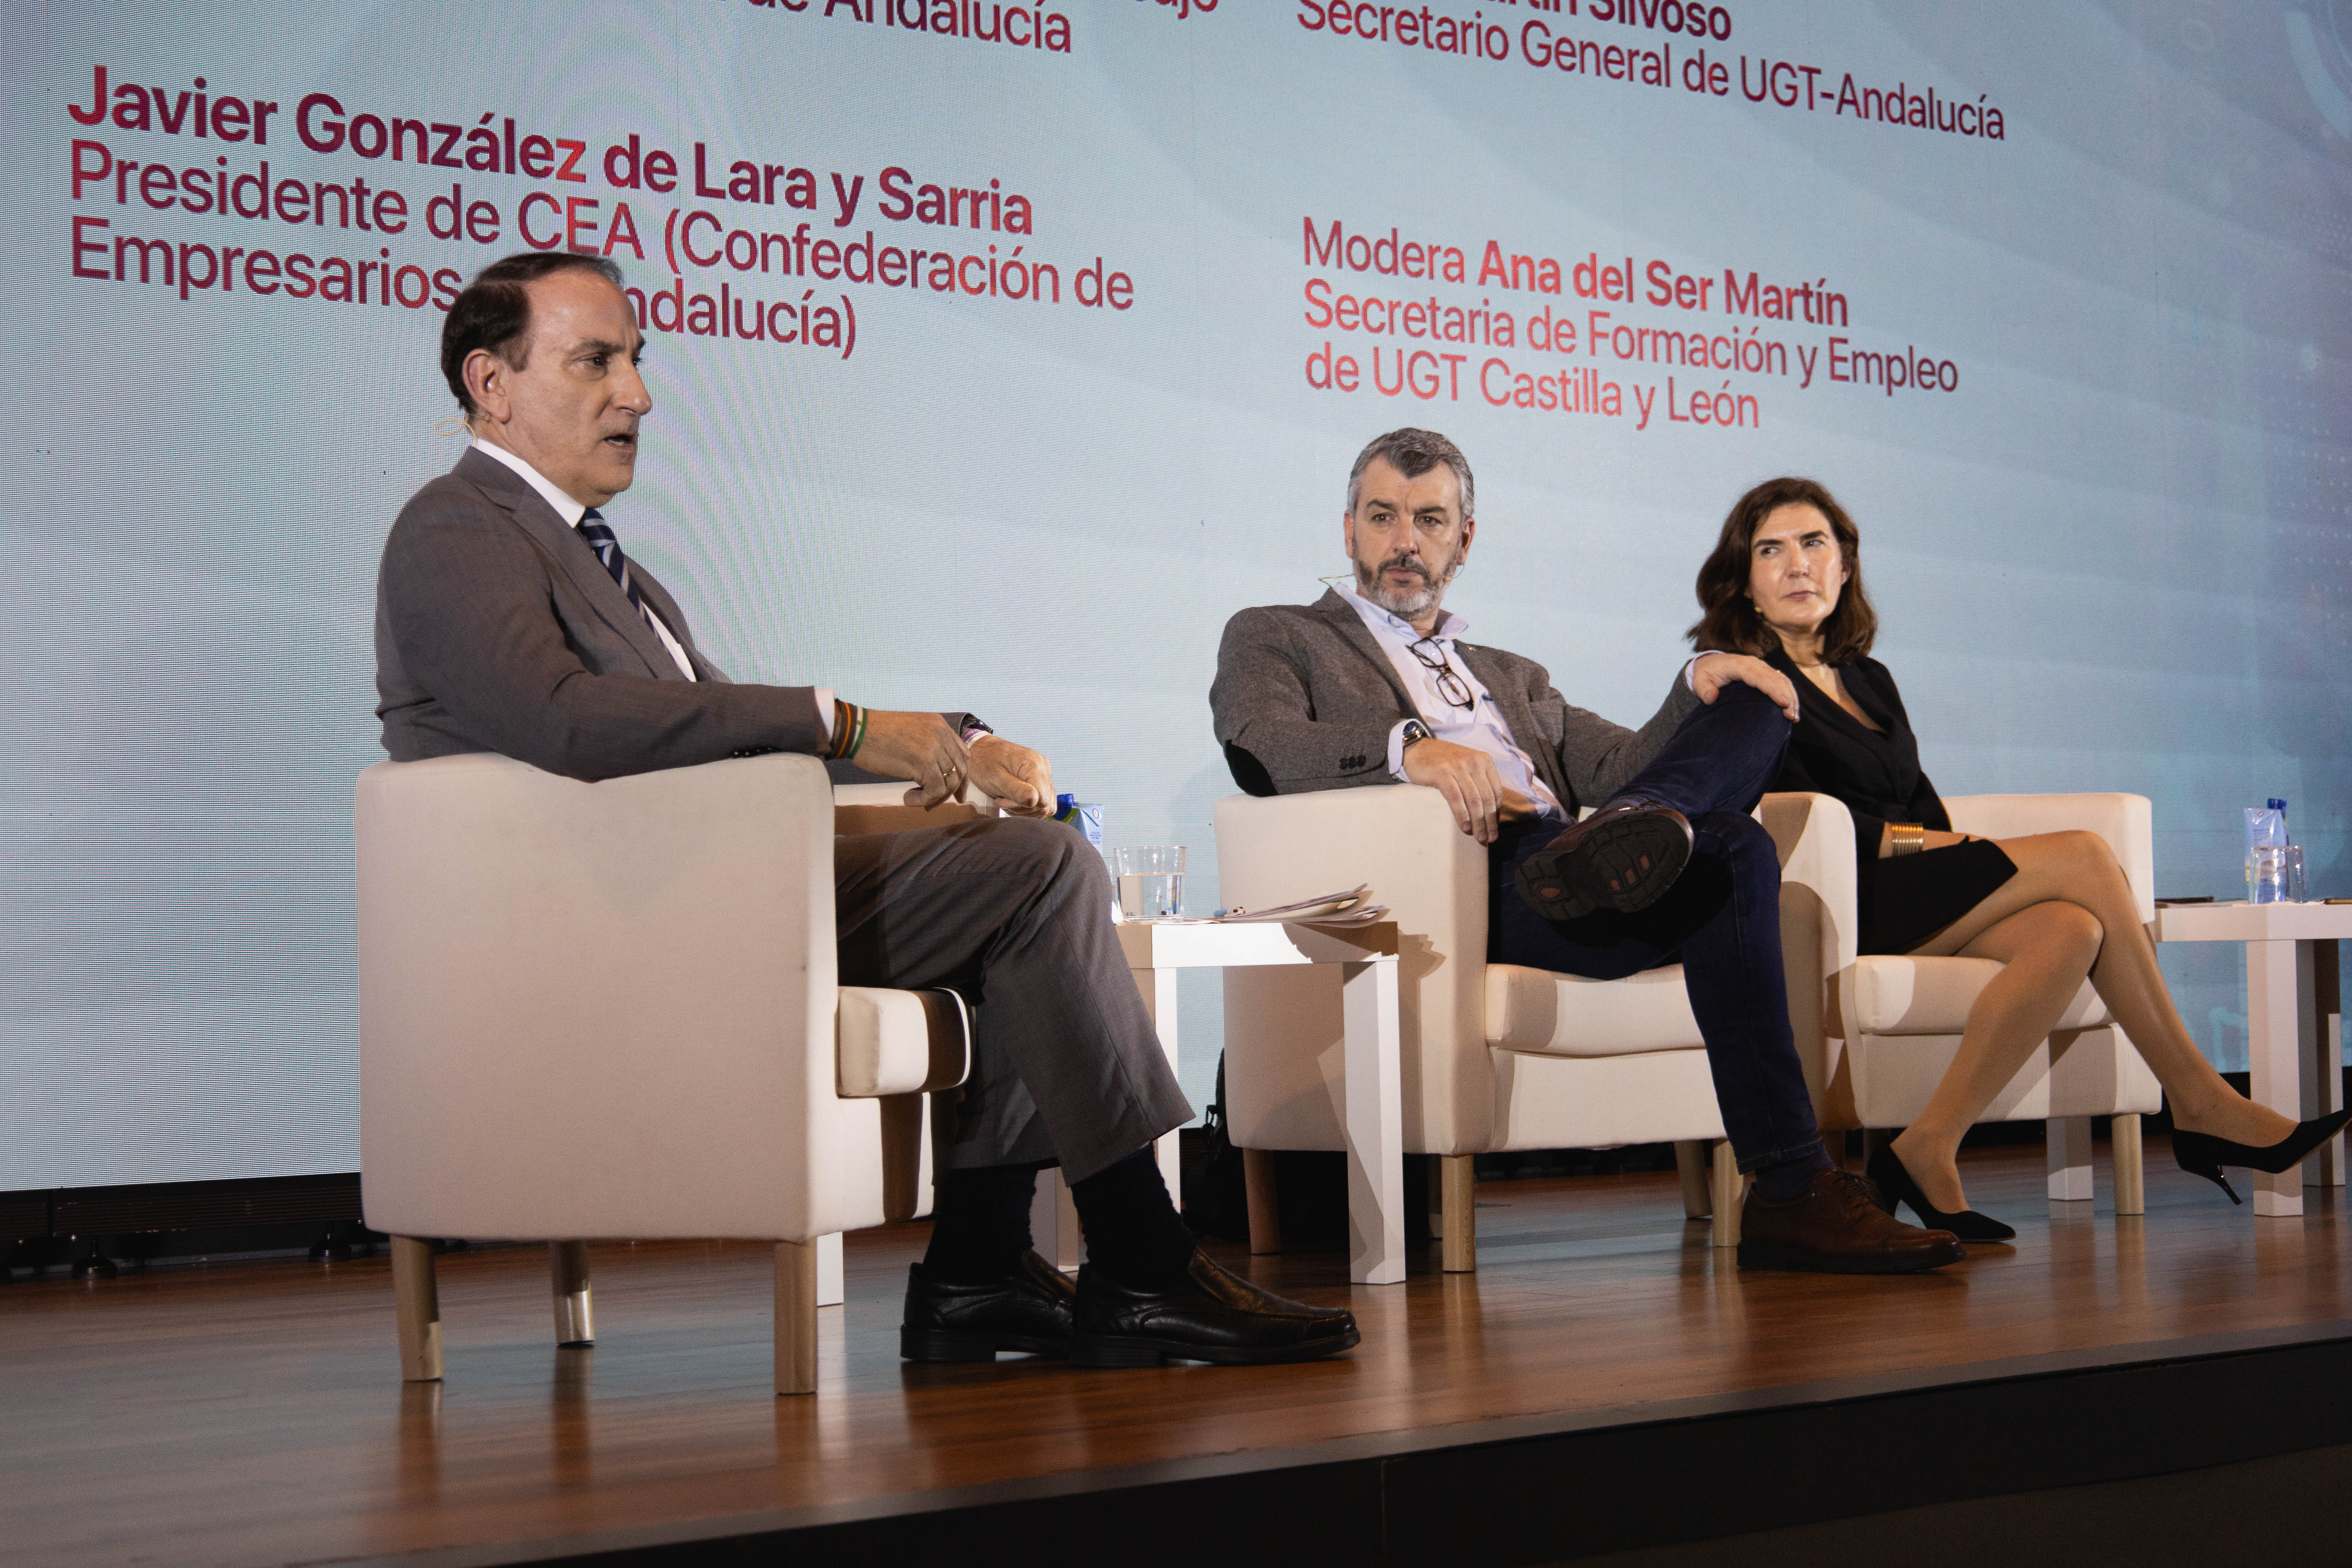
(1876, 1033)
(610, 1010)
(1495, 1057)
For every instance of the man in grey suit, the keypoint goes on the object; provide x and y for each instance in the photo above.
(1377, 684)
(508, 619)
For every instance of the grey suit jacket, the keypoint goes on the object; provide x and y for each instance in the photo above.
(1304, 698)
(497, 629)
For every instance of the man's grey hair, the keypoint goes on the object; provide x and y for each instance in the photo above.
(1414, 453)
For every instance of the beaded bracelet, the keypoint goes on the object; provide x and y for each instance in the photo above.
(848, 730)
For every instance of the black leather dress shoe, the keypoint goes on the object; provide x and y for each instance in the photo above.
(1028, 1310)
(1211, 1316)
(1624, 856)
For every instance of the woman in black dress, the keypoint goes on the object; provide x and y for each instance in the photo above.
(1785, 584)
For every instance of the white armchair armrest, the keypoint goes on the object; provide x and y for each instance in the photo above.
(1433, 877)
(1400, 838)
(900, 1042)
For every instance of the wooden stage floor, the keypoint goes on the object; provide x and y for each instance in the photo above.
(251, 1413)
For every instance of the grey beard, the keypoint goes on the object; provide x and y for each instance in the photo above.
(1407, 604)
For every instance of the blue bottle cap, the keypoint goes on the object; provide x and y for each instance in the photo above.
(1064, 804)
(2278, 806)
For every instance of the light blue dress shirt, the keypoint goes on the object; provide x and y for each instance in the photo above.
(1481, 724)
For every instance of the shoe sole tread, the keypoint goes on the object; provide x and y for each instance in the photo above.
(1612, 850)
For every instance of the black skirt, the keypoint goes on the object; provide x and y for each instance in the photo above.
(1907, 898)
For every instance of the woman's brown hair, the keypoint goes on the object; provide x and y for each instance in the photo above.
(1730, 625)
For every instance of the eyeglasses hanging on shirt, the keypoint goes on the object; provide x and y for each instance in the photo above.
(1449, 684)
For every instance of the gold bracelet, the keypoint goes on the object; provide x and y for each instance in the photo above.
(1905, 837)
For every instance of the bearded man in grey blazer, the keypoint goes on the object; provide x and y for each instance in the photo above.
(1378, 684)
(508, 619)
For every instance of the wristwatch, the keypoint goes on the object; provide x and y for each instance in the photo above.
(1414, 730)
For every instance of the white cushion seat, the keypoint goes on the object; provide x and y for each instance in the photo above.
(1538, 1011)
(1900, 994)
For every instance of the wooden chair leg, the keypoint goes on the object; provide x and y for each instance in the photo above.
(1459, 1249)
(1727, 1195)
(2131, 1179)
(796, 1317)
(418, 1307)
(1690, 1163)
(1265, 1201)
(567, 1270)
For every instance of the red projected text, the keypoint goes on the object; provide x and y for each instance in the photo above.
(1652, 62)
(705, 214)
(1518, 327)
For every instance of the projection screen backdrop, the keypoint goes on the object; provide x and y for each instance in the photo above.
(1000, 352)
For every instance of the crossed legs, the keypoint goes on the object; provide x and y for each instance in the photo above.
(1065, 1069)
(2069, 912)
(1722, 916)
(1011, 913)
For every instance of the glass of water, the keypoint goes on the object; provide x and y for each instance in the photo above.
(2275, 874)
(1151, 881)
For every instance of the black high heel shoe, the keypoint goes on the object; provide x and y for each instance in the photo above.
(1894, 1184)
(2203, 1155)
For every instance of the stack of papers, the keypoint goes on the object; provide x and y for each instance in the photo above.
(1352, 907)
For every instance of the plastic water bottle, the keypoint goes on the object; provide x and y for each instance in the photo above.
(1086, 815)
(2268, 880)
(1086, 818)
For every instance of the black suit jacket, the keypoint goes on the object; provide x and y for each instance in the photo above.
(1878, 776)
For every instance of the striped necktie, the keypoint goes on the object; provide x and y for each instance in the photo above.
(598, 536)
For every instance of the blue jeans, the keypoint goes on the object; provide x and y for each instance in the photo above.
(1721, 919)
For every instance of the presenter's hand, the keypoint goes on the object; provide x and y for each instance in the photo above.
(1018, 780)
(1714, 671)
(1465, 776)
(918, 746)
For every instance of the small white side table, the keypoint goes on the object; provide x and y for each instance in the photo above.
(2295, 1025)
(1366, 957)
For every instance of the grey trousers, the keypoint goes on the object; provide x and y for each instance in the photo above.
(1014, 915)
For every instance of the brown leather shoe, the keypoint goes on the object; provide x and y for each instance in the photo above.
(1837, 1227)
(1211, 1315)
(1624, 856)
